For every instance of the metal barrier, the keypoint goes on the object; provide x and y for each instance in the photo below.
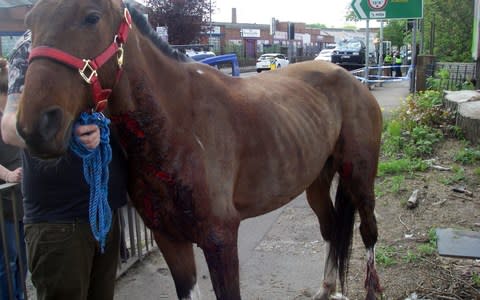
(376, 74)
(9, 189)
(136, 242)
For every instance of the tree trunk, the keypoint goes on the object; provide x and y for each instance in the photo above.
(466, 105)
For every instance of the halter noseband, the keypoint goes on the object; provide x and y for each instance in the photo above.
(88, 67)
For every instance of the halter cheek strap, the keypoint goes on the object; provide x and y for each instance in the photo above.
(88, 67)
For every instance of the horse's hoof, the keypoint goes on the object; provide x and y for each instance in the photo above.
(338, 296)
(371, 295)
(321, 295)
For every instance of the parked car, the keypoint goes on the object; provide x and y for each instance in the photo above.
(199, 55)
(267, 60)
(325, 54)
(350, 54)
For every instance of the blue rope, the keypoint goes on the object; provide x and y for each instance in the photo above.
(95, 171)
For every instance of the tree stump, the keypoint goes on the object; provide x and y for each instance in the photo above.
(466, 105)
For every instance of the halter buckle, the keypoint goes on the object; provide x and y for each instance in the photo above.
(128, 18)
(89, 69)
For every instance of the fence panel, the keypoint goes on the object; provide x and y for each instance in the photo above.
(459, 75)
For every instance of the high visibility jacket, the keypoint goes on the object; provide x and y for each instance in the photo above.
(388, 59)
(398, 60)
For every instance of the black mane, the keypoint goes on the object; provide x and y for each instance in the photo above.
(147, 30)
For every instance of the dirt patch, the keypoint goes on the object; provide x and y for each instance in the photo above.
(406, 263)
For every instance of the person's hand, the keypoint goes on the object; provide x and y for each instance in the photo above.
(14, 176)
(89, 135)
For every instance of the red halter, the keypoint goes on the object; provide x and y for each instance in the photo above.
(88, 67)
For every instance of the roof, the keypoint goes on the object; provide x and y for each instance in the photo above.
(15, 3)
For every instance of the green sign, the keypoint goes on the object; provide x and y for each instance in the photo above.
(388, 9)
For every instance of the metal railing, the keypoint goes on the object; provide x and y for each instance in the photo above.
(136, 241)
(458, 74)
(9, 190)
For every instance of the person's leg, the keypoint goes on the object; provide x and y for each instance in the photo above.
(21, 274)
(104, 266)
(60, 259)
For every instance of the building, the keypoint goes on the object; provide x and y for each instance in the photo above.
(250, 40)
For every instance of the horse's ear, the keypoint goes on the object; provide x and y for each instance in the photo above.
(118, 3)
(28, 19)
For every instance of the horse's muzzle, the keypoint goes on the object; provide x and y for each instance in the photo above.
(42, 140)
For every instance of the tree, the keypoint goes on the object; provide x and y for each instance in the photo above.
(317, 26)
(447, 30)
(395, 32)
(185, 20)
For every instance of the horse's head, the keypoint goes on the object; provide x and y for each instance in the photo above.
(60, 83)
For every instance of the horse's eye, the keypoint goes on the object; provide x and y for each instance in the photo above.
(91, 19)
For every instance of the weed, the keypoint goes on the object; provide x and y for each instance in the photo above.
(430, 247)
(476, 172)
(426, 249)
(385, 256)
(397, 183)
(411, 257)
(476, 279)
(401, 166)
(467, 156)
(432, 237)
(458, 176)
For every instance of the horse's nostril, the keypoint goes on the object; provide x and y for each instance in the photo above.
(49, 123)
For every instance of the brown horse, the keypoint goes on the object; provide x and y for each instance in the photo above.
(207, 150)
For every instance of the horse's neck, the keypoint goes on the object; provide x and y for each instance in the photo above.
(151, 76)
(151, 94)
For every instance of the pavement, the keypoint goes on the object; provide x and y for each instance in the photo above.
(281, 253)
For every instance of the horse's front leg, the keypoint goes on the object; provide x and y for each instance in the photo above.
(181, 262)
(220, 249)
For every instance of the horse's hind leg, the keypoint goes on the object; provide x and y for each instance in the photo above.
(318, 196)
(181, 262)
(360, 182)
(369, 233)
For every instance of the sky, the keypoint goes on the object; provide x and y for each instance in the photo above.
(328, 12)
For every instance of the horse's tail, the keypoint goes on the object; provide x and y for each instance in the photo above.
(343, 233)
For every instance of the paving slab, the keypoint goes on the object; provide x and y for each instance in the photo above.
(458, 243)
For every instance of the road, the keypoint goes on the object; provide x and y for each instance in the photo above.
(281, 253)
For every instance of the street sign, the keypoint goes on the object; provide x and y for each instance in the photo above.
(388, 9)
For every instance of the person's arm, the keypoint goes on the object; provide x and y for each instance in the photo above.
(10, 176)
(9, 121)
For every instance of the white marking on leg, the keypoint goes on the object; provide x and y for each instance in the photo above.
(194, 293)
(329, 276)
(199, 71)
(371, 254)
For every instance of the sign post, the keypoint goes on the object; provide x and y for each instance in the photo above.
(388, 9)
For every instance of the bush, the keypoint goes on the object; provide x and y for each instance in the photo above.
(411, 135)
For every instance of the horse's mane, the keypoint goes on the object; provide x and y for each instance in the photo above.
(147, 30)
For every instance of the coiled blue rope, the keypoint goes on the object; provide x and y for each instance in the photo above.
(95, 171)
